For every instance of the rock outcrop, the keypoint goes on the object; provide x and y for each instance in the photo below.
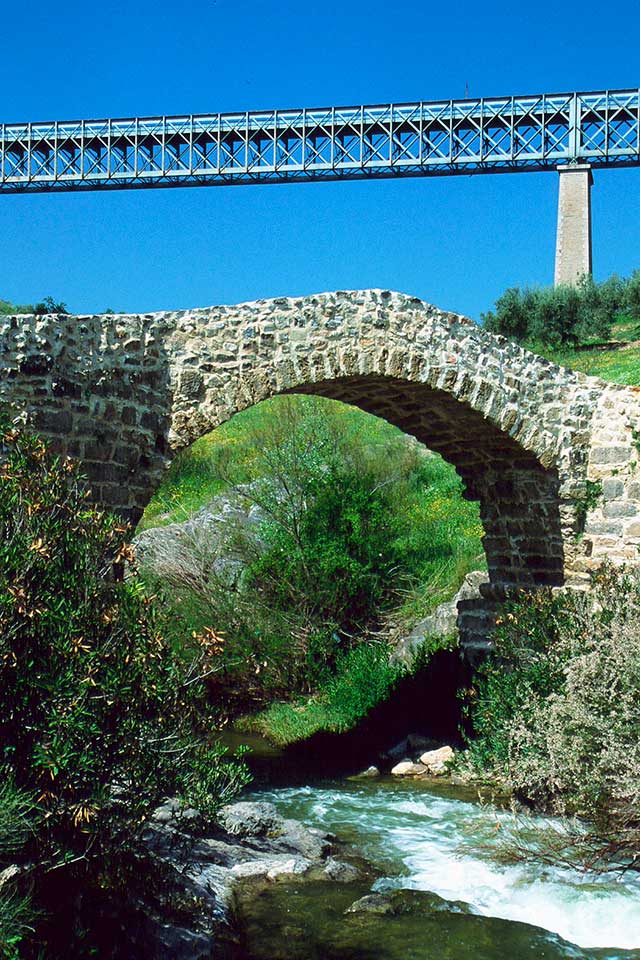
(202, 873)
(443, 622)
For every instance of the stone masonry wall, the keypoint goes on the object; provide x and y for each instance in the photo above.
(124, 393)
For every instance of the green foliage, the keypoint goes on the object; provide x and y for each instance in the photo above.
(8, 309)
(588, 500)
(556, 316)
(18, 819)
(525, 664)
(330, 526)
(616, 364)
(99, 719)
(557, 709)
(48, 305)
(18, 815)
(363, 678)
(357, 523)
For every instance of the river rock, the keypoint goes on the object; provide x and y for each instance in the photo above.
(407, 768)
(180, 943)
(271, 868)
(251, 819)
(341, 871)
(204, 868)
(206, 543)
(436, 760)
(369, 774)
(420, 903)
(307, 841)
(380, 903)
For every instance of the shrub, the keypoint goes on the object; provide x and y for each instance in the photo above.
(558, 710)
(558, 315)
(99, 720)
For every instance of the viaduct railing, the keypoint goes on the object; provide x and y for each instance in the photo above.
(571, 132)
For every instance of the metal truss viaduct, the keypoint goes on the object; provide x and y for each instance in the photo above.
(491, 135)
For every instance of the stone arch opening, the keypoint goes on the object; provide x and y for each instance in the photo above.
(519, 498)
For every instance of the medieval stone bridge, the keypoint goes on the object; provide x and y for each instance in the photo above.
(551, 455)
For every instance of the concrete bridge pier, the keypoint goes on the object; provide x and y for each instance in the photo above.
(573, 237)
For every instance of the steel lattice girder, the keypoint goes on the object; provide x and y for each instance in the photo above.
(416, 139)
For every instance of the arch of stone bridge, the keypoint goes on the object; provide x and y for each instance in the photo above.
(124, 393)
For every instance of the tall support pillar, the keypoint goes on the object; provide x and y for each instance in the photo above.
(573, 238)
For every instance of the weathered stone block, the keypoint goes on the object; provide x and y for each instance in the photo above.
(611, 455)
(54, 421)
(620, 508)
(612, 488)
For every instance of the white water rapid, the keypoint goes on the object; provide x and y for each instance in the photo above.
(427, 840)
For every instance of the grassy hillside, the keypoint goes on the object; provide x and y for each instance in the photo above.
(618, 364)
(231, 455)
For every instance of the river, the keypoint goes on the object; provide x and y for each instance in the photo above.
(439, 839)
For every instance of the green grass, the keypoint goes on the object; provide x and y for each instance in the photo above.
(615, 364)
(620, 365)
(363, 679)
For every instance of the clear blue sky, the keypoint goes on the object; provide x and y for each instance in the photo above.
(457, 242)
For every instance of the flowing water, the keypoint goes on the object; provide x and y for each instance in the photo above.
(439, 840)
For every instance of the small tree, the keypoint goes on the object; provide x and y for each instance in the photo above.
(49, 305)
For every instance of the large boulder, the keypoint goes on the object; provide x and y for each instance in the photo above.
(407, 768)
(207, 543)
(251, 819)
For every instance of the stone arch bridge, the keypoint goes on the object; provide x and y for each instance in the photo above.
(551, 455)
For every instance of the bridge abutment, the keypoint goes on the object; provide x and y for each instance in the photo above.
(573, 236)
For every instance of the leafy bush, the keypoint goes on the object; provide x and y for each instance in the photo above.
(356, 523)
(558, 709)
(564, 314)
(99, 720)
(330, 525)
(48, 305)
